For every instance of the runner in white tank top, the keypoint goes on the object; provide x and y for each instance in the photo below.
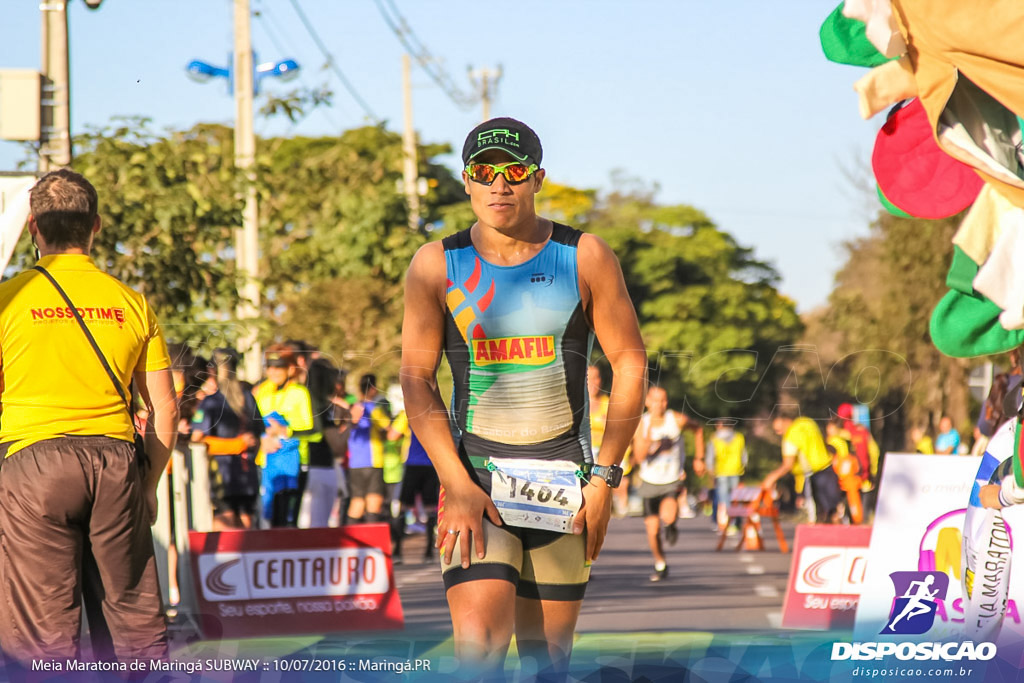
(658, 448)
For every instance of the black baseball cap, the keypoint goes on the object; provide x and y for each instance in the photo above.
(509, 135)
(276, 359)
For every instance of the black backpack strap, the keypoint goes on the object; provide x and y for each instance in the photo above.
(88, 335)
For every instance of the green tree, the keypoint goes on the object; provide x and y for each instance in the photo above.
(169, 209)
(881, 306)
(710, 313)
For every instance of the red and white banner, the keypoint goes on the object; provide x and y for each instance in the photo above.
(826, 577)
(292, 581)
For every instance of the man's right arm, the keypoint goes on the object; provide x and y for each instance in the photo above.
(422, 340)
(157, 391)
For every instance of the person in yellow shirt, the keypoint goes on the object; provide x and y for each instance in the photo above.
(74, 491)
(288, 418)
(804, 454)
(922, 442)
(725, 460)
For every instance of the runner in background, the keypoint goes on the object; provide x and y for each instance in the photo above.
(419, 480)
(660, 454)
(370, 422)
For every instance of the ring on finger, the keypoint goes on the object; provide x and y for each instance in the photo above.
(452, 532)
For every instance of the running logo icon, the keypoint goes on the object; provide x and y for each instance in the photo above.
(917, 597)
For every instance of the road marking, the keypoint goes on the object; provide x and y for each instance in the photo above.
(765, 590)
(746, 558)
(755, 569)
(774, 619)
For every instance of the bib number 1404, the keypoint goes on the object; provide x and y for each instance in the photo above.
(537, 494)
(530, 489)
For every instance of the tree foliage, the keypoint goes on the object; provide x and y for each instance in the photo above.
(879, 312)
(169, 205)
(335, 244)
(710, 313)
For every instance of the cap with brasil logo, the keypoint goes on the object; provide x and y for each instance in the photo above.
(508, 135)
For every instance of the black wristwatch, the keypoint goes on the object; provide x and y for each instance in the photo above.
(612, 474)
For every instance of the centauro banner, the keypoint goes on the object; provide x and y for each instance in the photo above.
(277, 582)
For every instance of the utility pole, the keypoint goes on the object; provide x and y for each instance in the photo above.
(409, 164)
(55, 131)
(247, 238)
(486, 82)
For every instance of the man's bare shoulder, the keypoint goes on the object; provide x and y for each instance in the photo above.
(598, 265)
(427, 274)
(594, 254)
(428, 262)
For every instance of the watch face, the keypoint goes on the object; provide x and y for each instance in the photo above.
(612, 474)
(614, 477)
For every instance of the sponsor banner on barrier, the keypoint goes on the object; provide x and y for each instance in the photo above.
(913, 588)
(826, 576)
(291, 581)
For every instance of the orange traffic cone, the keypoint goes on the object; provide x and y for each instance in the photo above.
(751, 538)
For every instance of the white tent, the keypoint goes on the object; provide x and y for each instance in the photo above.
(14, 189)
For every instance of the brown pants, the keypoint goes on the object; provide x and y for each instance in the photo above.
(64, 504)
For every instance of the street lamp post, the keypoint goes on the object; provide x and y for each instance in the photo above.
(243, 82)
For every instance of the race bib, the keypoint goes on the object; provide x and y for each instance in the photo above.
(537, 494)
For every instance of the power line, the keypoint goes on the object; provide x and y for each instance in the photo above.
(261, 15)
(266, 22)
(419, 52)
(331, 63)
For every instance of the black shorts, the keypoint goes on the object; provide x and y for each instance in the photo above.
(542, 565)
(826, 493)
(421, 479)
(653, 494)
(365, 481)
(240, 505)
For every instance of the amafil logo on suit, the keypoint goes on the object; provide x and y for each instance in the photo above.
(293, 574)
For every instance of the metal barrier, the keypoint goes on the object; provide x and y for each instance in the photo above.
(183, 505)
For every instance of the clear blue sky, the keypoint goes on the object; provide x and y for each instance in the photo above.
(728, 106)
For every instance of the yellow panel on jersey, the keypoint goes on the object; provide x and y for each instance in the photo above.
(292, 403)
(803, 439)
(54, 384)
(729, 455)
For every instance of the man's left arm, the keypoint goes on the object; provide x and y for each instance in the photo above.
(614, 321)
